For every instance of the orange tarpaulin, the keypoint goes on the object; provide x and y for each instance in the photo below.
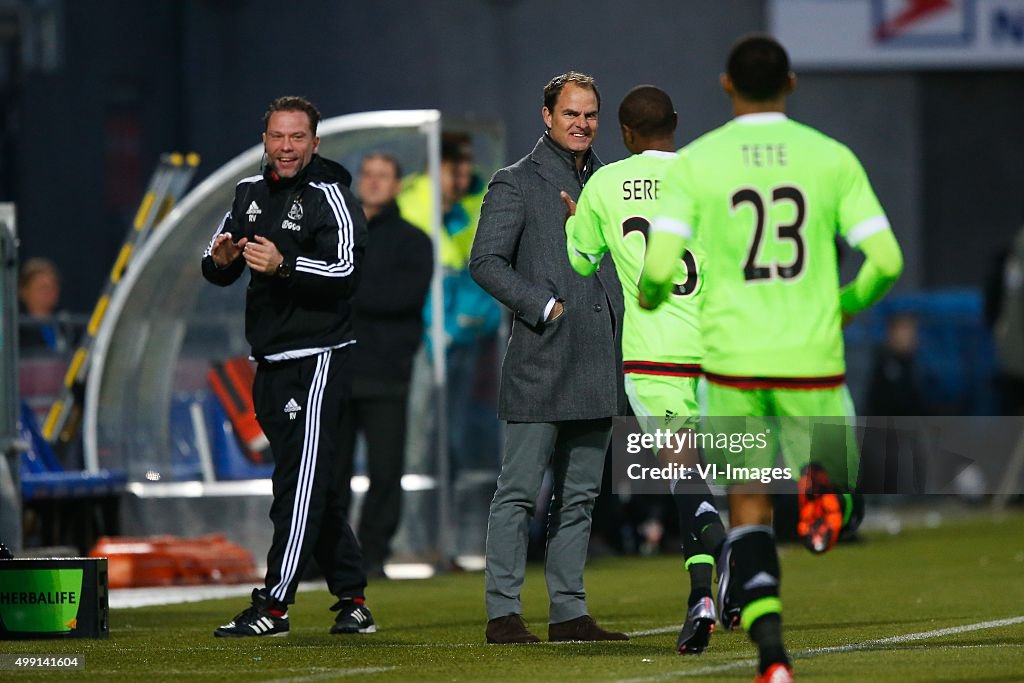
(169, 560)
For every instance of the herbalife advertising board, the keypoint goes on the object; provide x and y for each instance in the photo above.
(40, 600)
(53, 598)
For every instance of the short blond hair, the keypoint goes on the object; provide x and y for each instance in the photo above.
(35, 267)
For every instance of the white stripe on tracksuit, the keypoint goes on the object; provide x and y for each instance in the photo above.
(307, 472)
(304, 353)
(220, 229)
(345, 263)
(227, 216)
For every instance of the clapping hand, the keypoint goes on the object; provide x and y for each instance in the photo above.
(225, 250)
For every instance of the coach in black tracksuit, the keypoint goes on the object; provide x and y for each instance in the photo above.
(301, 233)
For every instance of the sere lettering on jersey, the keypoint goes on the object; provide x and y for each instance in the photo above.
(639, 189)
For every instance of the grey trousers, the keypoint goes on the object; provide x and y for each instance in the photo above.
(576, 451)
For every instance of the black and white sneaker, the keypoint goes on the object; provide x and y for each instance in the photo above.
(265, 617)
(353, 617)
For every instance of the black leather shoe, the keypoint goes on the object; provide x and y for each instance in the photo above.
(581, 629)
(509, 629)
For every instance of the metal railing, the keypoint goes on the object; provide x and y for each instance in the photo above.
(10, 443)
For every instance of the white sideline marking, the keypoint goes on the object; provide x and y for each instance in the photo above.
(126, 598)
(952, 630)
(655, 631)
(814, 652)
(330, 674)
(975, 646)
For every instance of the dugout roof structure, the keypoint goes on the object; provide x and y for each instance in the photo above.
(166, 324)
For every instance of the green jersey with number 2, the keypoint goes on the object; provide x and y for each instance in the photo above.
(614, 214)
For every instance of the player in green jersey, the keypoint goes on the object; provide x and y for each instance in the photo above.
(767, 196)
(661, 349)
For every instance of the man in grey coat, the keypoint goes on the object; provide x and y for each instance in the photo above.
(561, 377)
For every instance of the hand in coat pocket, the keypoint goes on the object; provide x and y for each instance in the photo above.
(556, 312)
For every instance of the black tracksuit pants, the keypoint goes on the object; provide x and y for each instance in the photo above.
(298, 405)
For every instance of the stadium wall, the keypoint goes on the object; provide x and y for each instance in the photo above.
(134, 79)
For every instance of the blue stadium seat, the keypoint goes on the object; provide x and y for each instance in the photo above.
(42, 476)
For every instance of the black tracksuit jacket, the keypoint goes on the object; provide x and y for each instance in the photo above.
(320, 230)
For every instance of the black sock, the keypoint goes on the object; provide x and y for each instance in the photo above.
(754, 578)
(755, 564)
(699, 564)
(766, 632)
(695, 504)
(698, 520)
(699, 517)
(712, 535)
(700, 581)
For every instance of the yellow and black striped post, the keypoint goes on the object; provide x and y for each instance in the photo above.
(166, 186)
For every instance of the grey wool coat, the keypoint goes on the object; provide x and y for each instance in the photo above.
(571, 367)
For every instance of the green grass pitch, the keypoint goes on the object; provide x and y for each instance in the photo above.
(941, 604)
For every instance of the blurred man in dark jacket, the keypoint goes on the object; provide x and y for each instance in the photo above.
(387, 320)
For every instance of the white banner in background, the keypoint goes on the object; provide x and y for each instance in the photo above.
(901, 34)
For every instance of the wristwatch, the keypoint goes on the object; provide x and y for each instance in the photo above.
(284, 270)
